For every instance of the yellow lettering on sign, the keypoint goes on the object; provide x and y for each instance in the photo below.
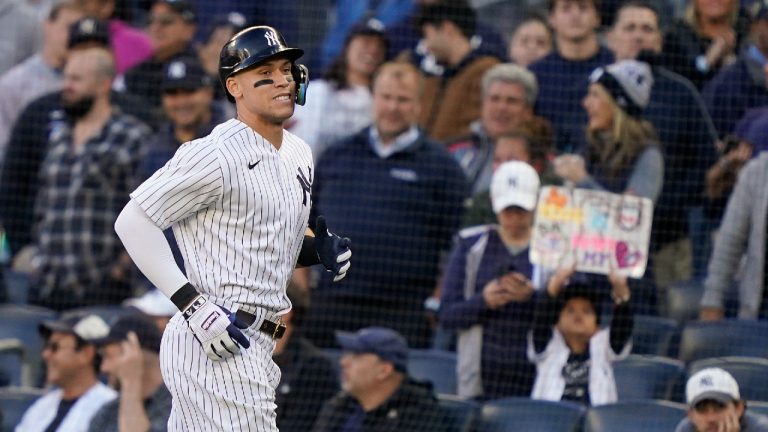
(562, 214)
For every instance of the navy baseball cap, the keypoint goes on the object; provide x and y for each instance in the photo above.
(88, 327)
(88, 30)
(386, 343)
(185, 73)
(145, 329)
(183, 8)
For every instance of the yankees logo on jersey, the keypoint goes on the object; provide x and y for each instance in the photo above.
(306, 183)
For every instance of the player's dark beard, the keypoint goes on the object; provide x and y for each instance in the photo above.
(75, 110)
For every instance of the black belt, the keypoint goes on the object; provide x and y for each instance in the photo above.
(274, 330)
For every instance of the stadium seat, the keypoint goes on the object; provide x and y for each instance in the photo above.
(758, 407)
(17, 287)
(14, 401)
(684, 300)
(20, 322)
(460, 415)
(638, 416)
(523, 414)
(705, 339)
(13, 370)
(435, 366)
(647, 377)
(653, 335)
(751, 374)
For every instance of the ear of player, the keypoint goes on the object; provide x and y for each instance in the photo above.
(334, 251)
(216, 328)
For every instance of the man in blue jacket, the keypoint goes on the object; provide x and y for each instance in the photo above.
(399, 195)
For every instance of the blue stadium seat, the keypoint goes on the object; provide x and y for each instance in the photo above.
(523, 414)
(758, 407)
(639, 416)
(705, 339)
(14, 402)
(751, 374)
(13, 370)
(647, 377)
(653, 335)
(17, 286)
(435, 366)
(20, 322)
(684, 300)
(460, 415)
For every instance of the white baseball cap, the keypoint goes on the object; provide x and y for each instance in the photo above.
(153, 303)
(711, 383)
(514, 183)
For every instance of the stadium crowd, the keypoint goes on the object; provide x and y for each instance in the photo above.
(433, 125)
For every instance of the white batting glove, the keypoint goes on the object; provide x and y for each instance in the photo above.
(216, 328)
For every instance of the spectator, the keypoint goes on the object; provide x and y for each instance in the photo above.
(562, 75)
(685, 132)
(72, 365)
(741, 85)
(530, 42)
(43, 69)
(377, 393)
(222, 29)
(742, 233)
(512, 146)
(79, 260)
(704, 40)
(573, 358)
(487, 290)
(131, 362)
(19, 31)
(714, 404)
(172, 25)
(623, 155)
(27, 147)
(130, 45)
(452, 101)
(399, 195)
(341, 101)
(155, 305)
(308, 376)
(508, 95)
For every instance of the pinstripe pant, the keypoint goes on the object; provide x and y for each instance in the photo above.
(236, 394)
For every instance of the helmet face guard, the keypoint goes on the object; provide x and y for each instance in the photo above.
(256, 45)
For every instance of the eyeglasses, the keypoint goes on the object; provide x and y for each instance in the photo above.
(53, 346)
(162, 20)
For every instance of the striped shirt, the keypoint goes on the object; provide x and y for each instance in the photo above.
(239, 208)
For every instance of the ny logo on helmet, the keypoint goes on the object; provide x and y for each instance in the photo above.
(271, 38)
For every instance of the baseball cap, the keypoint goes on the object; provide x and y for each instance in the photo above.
(88, 30)
(370, 26)
(514, 183)
(386, 343)
(183, 8)
(88, 327)
(711, 383)
(185, 73)
(153, 303)
(145, 329)
(629, 82)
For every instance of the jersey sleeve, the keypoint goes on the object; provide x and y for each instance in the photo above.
(190, 182)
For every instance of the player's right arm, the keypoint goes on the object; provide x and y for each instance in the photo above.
(215, 327)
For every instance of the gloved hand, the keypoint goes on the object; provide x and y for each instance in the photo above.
(333, 250)
(216, 328)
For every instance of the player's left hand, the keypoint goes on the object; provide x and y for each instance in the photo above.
(333, 250)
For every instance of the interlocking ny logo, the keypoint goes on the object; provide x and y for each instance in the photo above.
(271, 38)
(305, 182)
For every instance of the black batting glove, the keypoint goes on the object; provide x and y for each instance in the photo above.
(332, 250)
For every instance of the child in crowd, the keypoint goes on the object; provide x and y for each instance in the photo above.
(573, 358)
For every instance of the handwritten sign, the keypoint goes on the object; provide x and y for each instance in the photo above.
(598, 231)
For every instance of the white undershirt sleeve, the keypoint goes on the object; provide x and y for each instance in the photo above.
(149, 249)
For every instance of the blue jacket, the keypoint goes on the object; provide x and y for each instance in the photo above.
(731, 92)
(400, 213)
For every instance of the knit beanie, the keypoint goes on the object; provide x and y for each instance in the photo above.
(629, 82)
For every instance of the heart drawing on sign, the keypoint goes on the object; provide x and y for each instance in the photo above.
(625, 257)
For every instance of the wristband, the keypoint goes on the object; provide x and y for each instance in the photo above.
(184, 296)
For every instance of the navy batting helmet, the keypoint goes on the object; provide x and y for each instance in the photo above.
(255, 45)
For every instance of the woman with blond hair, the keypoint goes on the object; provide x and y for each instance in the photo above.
(623, 155)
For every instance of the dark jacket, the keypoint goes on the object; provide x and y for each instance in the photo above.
(308, 379)
(750, 422)
(412, 408)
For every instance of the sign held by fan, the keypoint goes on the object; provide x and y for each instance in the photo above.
(598, 231)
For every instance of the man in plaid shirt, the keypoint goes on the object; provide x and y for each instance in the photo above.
(91, 166)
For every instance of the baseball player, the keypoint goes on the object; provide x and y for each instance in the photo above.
(238, 201)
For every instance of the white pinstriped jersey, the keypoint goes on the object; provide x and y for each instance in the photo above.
(239, 209)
